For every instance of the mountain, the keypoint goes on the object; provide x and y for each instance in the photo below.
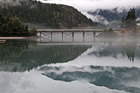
(45, 15)
(112, 15)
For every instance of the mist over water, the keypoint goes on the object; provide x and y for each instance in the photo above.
(107, 65)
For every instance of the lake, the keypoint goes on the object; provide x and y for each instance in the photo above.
(104, 66)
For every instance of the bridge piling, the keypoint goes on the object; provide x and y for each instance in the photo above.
(51, 36)
(62, 36)
(83, 36)
(72, 36)
(40, 34)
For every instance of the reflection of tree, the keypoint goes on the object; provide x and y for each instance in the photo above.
(109, 50)
(49, 54)
(12, 50)
(130, 50)
(23, 55)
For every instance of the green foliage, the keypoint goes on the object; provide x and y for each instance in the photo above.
(33, 31)
(49, 15)
(130, 21)
(12, 26)
(131, 15)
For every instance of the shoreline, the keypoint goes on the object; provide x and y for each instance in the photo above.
(31, 37)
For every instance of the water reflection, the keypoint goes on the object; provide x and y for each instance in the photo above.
(131, 50)
(26, 55)
(111, 77)
(109, 65)
(26, 67)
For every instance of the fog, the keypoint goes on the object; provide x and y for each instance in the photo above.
(12, 2)
(91, 5)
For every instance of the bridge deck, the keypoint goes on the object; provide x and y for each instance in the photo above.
(70, 30)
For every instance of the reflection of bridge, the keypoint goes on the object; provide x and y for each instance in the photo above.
(68, 32)
(70, 43)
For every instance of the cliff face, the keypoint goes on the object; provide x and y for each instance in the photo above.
(48, 15)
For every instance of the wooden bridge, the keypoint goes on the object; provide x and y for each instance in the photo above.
(68, 32)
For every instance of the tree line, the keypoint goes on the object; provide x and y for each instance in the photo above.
(12, 26)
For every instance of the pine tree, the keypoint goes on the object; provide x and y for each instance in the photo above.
(131, 15)
(130, 21)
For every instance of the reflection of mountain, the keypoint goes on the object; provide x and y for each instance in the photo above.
(111, 77)
(129, 49)
(102, 65)
(21, 56)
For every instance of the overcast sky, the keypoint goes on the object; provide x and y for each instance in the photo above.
(91, 5)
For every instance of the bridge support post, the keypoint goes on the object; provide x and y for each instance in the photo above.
(40, 34)
(51, 36)
(83, 36)
(94, 35)
(73, 36)
(62, 36)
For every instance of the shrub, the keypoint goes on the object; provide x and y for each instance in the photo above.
(14, 27)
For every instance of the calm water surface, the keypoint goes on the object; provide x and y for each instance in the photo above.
(101, 67)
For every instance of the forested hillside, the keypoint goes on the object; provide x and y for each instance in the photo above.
(48, 15)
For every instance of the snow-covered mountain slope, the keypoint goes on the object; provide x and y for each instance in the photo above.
(111, 15)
